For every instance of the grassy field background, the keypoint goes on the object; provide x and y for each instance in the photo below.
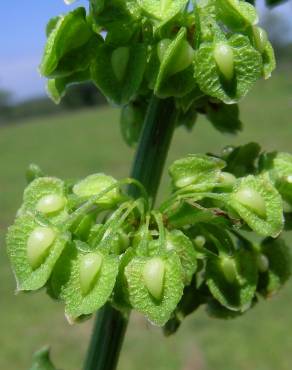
(84, 142)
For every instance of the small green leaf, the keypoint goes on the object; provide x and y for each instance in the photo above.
(95, 184)
(268, 54)
(41, 360)
(201, 172)
(233, 284)
(104, 73)
(178, 242)
(32, 266)
(56, 87)
(236, 14)
(51, 25)
(216, 310)
(279, 269)
(85, 287)
(259, 204)
(241, 161)
(70, 33)
(157, 311)
(205, 20)
(224, 118)
(162, 10)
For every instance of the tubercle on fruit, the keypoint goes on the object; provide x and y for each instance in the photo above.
(228, 265)
(89, 269)
(153, 277)
(38, 245)
(253, 200)
(119, 60)
(224, 58)
(51, 203)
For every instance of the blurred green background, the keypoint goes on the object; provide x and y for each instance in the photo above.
(78, 143)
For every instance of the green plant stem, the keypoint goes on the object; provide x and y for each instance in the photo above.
(110, 326)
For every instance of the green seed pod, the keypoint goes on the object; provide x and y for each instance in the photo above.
(51, 203)
(228, 266)
(224, 58)
(153, 276)
(119, 61)
(260, 38)
(199, 171)
(263, 263)
(38, 245)
(252, 200)
(95, 184)
(90, 265)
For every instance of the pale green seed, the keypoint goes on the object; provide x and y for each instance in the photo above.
(153, 276)
(200, 241)
(89, 268)
(38, 245)
(119, 60)
(224, 58)
(51, 203)
(162, 46)
(253, 200)
(228, 266)
(185, 181)
(260, 38)
(262, 263)
(227, 180)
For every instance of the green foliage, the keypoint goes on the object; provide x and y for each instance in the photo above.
(205, 56)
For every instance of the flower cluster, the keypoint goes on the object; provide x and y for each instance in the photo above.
(206, 57)
(89, 242)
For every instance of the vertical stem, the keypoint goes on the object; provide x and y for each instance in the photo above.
(110, 326)
(154, 144)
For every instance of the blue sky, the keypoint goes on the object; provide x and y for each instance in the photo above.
(22, 37)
